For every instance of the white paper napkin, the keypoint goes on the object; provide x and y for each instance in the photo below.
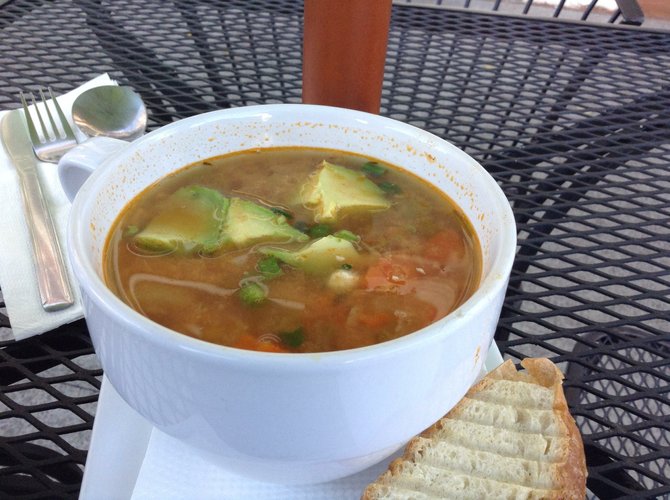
(18, 278)
(172, 471)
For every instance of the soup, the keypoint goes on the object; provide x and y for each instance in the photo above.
(292, 250)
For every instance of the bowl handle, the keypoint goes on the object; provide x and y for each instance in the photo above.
(79, 163)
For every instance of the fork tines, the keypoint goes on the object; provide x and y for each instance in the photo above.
(54, 141)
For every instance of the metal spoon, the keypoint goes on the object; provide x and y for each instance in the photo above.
(111, 111)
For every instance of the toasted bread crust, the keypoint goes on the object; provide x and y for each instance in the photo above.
(572, 479)
(568, 478)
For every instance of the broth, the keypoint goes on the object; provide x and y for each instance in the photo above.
(292, 250)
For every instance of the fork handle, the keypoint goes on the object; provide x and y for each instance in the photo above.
(54, 286)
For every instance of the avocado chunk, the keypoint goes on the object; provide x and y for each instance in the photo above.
(321, 256)
(335, 190)
(248, 223)
(190, 221)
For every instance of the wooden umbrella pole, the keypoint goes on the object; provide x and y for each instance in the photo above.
(344, 50)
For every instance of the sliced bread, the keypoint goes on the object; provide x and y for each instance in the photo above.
(511, 436)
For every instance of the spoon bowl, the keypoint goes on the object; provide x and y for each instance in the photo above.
(111, 111)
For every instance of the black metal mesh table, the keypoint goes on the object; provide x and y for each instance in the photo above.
(572, 120)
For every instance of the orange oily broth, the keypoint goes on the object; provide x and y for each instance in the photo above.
(420, 260)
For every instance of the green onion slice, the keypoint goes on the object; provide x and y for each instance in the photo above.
(269, 267)
(373, 169)
(390, 188)
(319, 230)
(345, 234)
(294, 338)
(252, 294)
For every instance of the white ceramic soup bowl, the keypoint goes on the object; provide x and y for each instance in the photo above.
(287, 418)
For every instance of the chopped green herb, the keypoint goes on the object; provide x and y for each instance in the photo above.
(373, 169)
(319, 230)
(390, 188)
(346, 266)
(252, 294)
(282, 211)
(294, 338)
(269, 267)
(130, 231)
(345, 234)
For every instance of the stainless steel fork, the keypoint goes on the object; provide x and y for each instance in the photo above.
(55, 141)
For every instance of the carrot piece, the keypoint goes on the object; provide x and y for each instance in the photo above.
(251, 343)
(266, 346)
(375, 319)
(321, 302)
(445, 245)
(387, 273)
(246, 341)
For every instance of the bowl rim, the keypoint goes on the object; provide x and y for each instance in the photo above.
(105, 299)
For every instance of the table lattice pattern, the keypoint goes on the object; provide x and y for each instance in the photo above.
(572, 120)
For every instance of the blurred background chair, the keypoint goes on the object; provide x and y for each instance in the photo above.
(596, 11)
